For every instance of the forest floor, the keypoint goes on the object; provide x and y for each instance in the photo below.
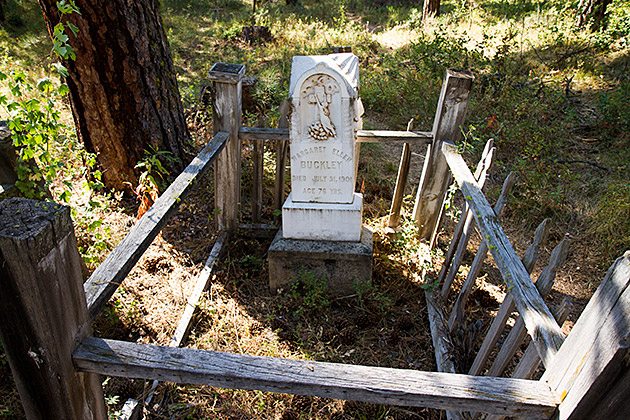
(554, 101)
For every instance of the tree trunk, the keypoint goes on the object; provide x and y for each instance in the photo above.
(593, 12)
(431, 9)
(123, 88)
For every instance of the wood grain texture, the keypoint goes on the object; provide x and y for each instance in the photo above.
(201, 284)
(530, 360)
(448, 258)
(384, 136)
(467, 224)
(282, 150)
(517, 334)
(528, 364)
(594, 354)
(43, 314)
(507, 306)
(363, 136)
(457, 313)
(401, 182)
(257, 180)
(329, 380)
(439, 337)
(450, 114)
(539, 321)
(226, 116)
(112, 272)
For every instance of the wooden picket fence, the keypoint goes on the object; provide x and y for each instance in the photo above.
(46, 310)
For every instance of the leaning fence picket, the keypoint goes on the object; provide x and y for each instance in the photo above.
(457, 313)
(518, 333)
(401, 182)
(464, 227)
(541, 325)
(507, 306)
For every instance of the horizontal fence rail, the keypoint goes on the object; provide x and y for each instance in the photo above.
(517, 397)
(100, 287)
(539, 321)
(363, 136)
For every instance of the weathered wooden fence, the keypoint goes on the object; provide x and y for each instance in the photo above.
(45, 310)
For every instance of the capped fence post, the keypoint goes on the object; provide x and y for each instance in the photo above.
(226, 116)
(43, 311)
(449, 116)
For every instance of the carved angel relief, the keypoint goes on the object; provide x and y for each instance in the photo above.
(319, 90)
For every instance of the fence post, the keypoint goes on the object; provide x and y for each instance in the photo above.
(226, 116)
(449, 116)
(43, 312)
(591, 371)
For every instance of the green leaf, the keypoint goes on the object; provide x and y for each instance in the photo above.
(65, 196)
(63, 89)
(61, 70)
(73, 29)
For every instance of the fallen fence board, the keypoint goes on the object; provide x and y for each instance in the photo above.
(329, 380)
(100, 287)
(440, 335)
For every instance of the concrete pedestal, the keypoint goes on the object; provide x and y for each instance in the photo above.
(344, 264)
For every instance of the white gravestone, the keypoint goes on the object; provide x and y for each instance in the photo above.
(325, 116)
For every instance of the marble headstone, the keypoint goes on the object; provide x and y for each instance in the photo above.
(325, 116)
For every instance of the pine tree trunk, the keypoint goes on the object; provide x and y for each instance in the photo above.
(123, 88)
(593, 12)
(431, 9)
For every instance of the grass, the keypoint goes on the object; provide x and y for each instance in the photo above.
(553, 98)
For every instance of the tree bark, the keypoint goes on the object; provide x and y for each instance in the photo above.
(593, 12)
(123, 88)
(431, 9)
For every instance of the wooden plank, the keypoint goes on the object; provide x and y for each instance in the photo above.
(507, 306)
(440, 336)
(460, 224)
(528, 364)
(201, 284)
(258, 230)
(282, 150)
(587, 364)
(384, 136)
(111, 273)
(266, 133)
(518, 333)
(451, 112)
(43, 315)
(457, 313)
(539, 321)
(329, 380)
(616, 401)
(401, 183)
(226, 116)
(363, 136)
(468, 224)
(257, 180)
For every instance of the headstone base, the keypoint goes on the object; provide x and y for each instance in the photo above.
(344, 264)
(323, 221)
